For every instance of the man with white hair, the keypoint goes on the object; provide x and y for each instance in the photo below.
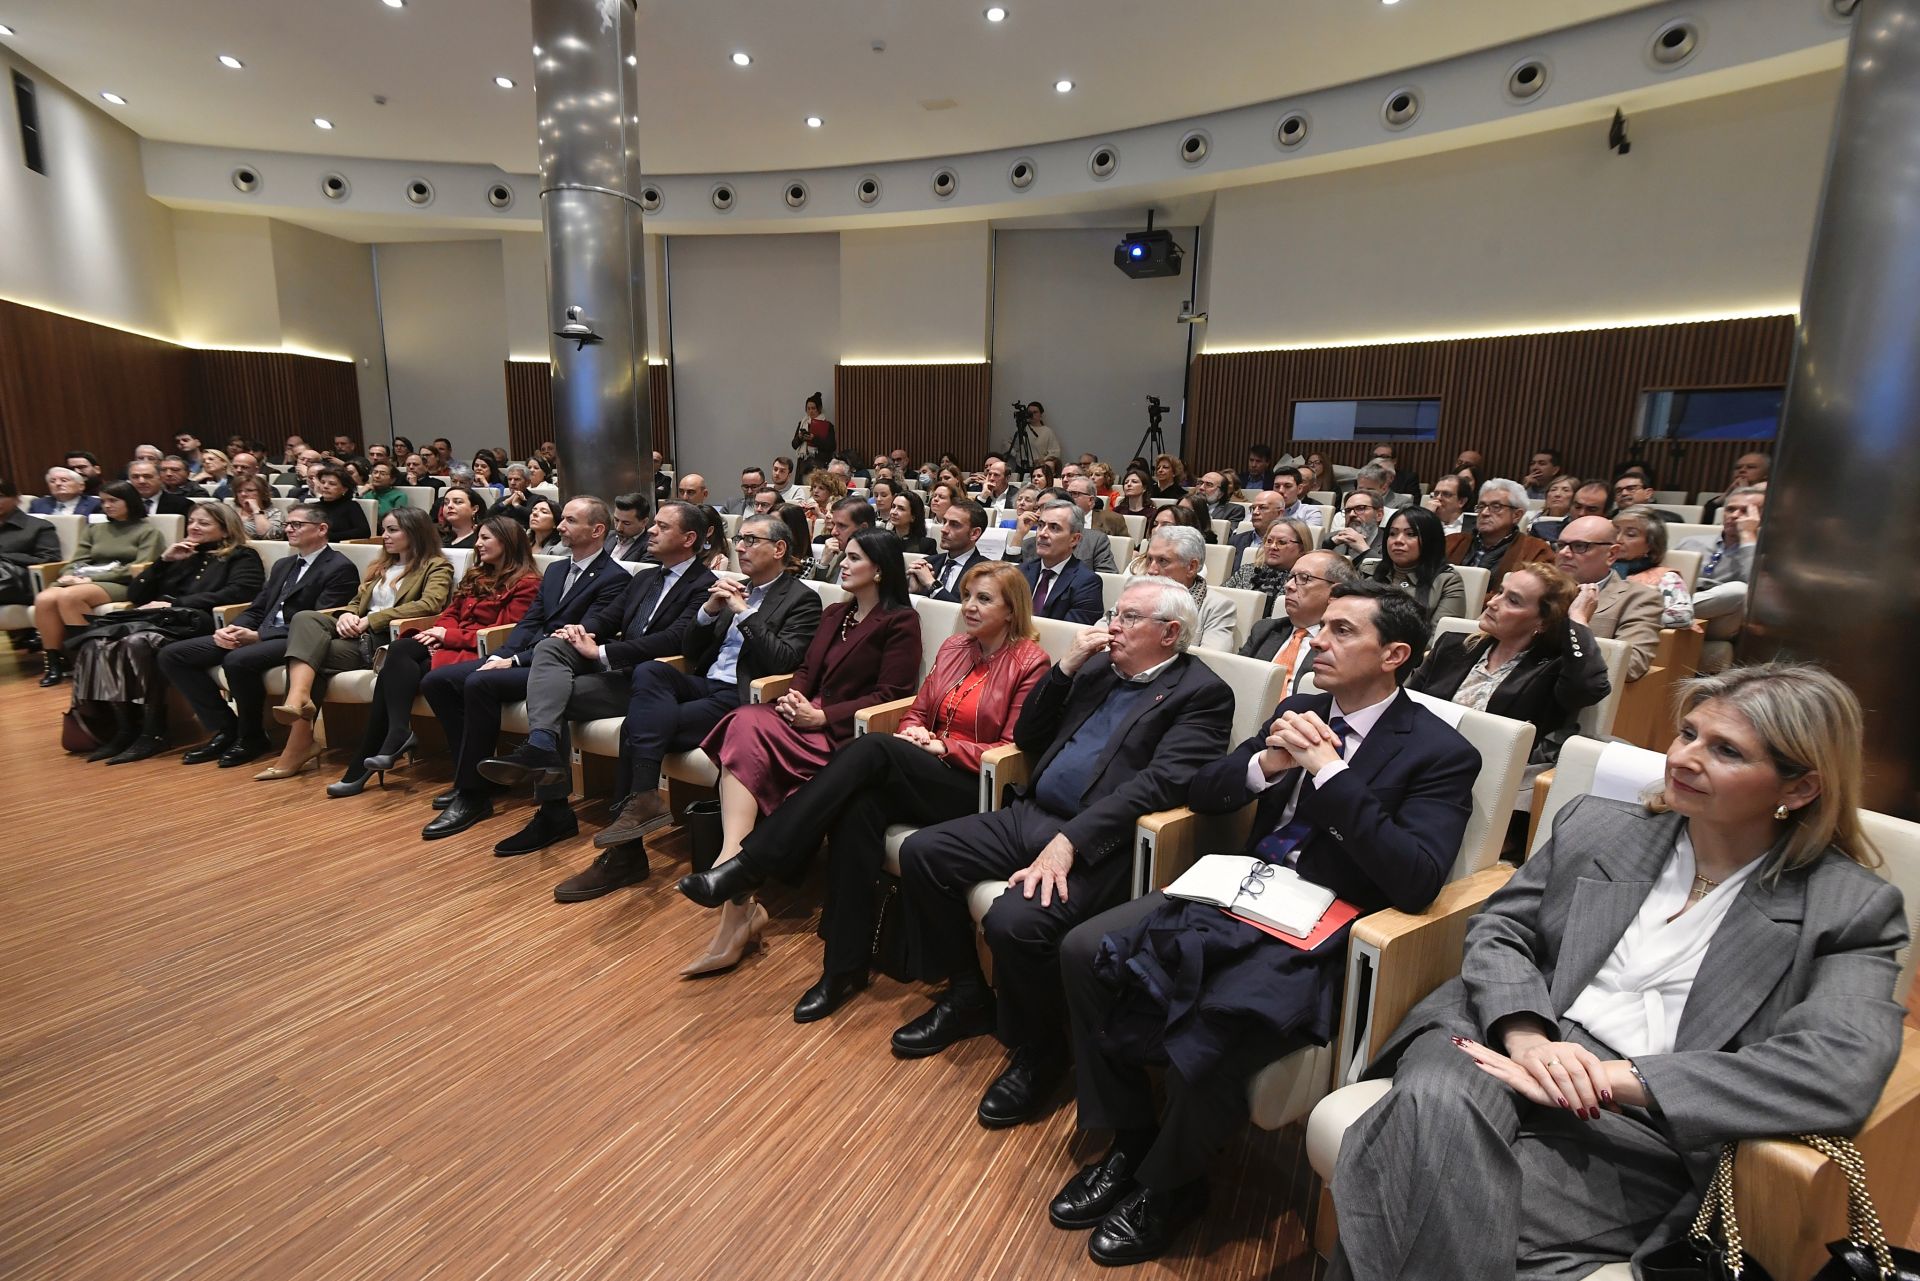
(1726, 565)
(1179, 553)
(66, 495)
(1117, 728)
(1497, 544)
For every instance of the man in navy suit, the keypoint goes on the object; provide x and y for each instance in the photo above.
(467, 697)
(584, 671)
(66, 495)
(1063, 586)
(1358, 788)
(960, 530)
(312, 576)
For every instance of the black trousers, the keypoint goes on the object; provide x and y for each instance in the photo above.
(1201, 1116)
(391, 712)
(667, 711)
(188, 666)
(467, 702)
(939, 865)
(877, 781)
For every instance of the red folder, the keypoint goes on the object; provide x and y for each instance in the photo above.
(1337, 914)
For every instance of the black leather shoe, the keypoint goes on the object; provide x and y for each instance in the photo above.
(243, 752)
(445, 798)
(119, 743)
(524, 764)
(139, 750)
(943, 1025)
(604, 875)
(548, 824)
(1020, 1092)
(723, 881)
(1091, 1194)
(211, 750)
(1145, 1224)
(828, 995)
(462, 813)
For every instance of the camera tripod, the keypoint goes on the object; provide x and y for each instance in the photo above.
(1020, 448)
(1153, 442)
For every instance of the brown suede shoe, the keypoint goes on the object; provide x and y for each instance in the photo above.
(644, 815)
(609, 872)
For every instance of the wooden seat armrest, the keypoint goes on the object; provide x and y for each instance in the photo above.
(1000, 768)
(487, 637)
(43, 575)
(1171, 841)
(227, 613)
(1542, 783)
(678, 662)
(1418, 951)
(882, 718)
(408, 626)
(769, 688)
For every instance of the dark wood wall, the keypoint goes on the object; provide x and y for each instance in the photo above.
(530, 406)
(70, 384)
(924, 409)
(1503, 396)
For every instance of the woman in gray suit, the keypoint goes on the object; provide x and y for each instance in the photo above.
(1715, 964)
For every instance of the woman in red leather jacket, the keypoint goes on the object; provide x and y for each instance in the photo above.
(926, 773)
(498, 588)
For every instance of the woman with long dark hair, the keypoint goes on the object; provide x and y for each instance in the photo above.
(908, 516)
(814, 439)
(459, 514)
(543, 526)
(1416, 560)
(100, 571)
(1135, 499)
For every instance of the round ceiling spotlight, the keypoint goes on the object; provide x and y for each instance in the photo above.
(814, 122)
(945, 183)
(394, 4)
(1527, 80)
(500, 196)
(1021, 173)
(419, 192)
(722, 196)
(334, 186)
(651, 199)
(245, 179)
(1195, 146)
(1291, 131)
(1063, 86)
(1841, 10)
(230, 62)
(796, 195)
(1401, 108)
(1102, 161)
(321, 122)
(503, 82)
(867, 190)
(114, 98)
(996, 14)
(741, 58)
(1673, 45)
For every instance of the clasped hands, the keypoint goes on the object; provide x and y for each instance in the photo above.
(798, 712)
(727, 594)
(923, 739)
(1302, 739)
(232, 637)
(350, 626)
(1552, 1073)
(580, 638)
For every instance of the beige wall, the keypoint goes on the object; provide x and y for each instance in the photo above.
(444, 304)
(227, 288)
(915, 293)
(325, 290)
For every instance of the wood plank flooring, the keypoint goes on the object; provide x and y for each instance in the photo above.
(250, 1032)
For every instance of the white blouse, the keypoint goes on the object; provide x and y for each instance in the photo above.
(1636, 1000)
(384, 596)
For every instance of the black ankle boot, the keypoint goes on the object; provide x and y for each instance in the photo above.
(124, 732)
(140, 749)
(56, 669)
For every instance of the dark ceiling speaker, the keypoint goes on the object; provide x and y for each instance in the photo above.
(1021, 173)
(500, 195)
(1842, 10)
(335, 186)
(722, 196)
(246, 179)
(1102, 161)
(867, 190)
(1292, 130)
(419, 192)
(1401, 108)
(796, 195)
(1673, 45)
(1527, 80)
(945, 183)
(651, 199)
(1194, 147)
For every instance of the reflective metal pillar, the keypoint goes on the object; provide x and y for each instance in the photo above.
(586, 96)
(1838, 574)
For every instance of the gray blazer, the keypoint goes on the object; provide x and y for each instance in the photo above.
(1791, 1025)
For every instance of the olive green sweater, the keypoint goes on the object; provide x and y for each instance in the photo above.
(128, 542)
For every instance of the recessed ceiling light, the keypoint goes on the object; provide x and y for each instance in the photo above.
(996, 14)
(1063, 86)
(5, 30)
(115, 99)
(230, 62)
(633, 60)
(394, 4)
(742, 59)
(1389, 1)
(503, 82)
(814, 122)
(321, 122)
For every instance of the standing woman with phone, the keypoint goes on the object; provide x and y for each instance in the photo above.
(814, 440)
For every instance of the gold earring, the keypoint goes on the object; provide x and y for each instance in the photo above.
(1780, 811)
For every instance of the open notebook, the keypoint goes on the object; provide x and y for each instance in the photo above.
(1267, 894)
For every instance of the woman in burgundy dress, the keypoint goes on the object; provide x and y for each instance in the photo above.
(814, 440)
(867, 651)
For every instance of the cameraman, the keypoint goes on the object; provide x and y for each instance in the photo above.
(1046, 444)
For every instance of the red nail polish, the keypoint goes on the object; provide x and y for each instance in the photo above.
(1459, 1040)
(1563, 1102)
(1606, 1096)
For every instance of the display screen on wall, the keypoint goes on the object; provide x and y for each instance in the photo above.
(1395, 420)
(1711, 413)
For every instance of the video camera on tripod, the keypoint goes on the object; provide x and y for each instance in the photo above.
(1020, 448)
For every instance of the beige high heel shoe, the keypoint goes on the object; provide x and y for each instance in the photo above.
(274, 771)
(721, 956)
(288, 714)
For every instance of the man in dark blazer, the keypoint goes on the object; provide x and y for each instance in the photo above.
(66, 495)
(145, 479)
(1118, 727)
(960, 529)
(1094, 550)
(583, 671)
(467, 698)
(25, 541)
(745, 629)
(1064, 587)
(312, 576)
(1358, 788)
(1303, 607)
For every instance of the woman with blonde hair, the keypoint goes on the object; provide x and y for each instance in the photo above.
(1169, 477)
(1269, 563)
(1658, 979)
(1642, 534)
(253, 500)
(1105, 485)
(826, 488)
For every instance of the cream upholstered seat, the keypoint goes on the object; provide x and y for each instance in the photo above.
(1595, 721)
(15, 618)
(1475, 580)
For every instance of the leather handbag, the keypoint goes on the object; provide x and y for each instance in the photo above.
(78, 733)
(1863, 1254)
(1699, 1256)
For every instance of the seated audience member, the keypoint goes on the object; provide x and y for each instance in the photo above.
(216, 470)
(926, 773)
(1542, 470)
(359, 476)
(791, 490)
(541, 470)
(866, 651)
(344, 446)
(1556, 509)
(518, 493)
(100, 571)
(409, 579)
(253, 500)
(627, 538)
(1497, 543)
(1415, 560)
(1216, 491)
(584, 672)
(824, 490)
(1176, 552)
(543, 526)
(1267, 565)
(766, 501)
(714, 539)
(1643, 548)
(752, 479)
(458, 515)
(1095, 550)
(66, 495)
(115, 666)
(1263, 509)
(437, 459)
(333, 494)
(1316, 475)
(1739, 940)
(1063, 586)
(1361, 533)
(940, 497)
(467, 697)
(1359, 789)
(419, 474)
(849, 517)
(1609, 605)
(150, 498)
(801, 562)
(995, 487)
(1726, 565)
(909, 521)
(1259, 469)
(1286, 640)
(1403, 483)
(1118, 728)
(484, 470)
(25, 541)
(497, 590)
(1748, 469)
(1083, 491)
(1106, 486)
(378, 453)
(1473, 479)
(245, 465)
(380, 487)
(147, 454)
(1591, 499)
(1169, 477)
(1288, 484)
(940, 576)
(1194, 513)
(692, 488)
(1447, 501)
(747, 628)
(88, 465)
(1528, 662)
(176, 479)
(1136, 497)
(1469, 459)
(313, 576)
(1634, 488)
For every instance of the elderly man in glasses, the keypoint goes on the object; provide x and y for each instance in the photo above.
(1497, 543)
(1286, 639)
(1609, 605)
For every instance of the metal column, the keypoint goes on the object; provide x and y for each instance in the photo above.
(1838, 574)
(586, 96)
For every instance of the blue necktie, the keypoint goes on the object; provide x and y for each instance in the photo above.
(1276, 846)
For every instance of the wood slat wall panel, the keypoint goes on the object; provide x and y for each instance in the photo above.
(1504, 396)
(269, 396)
(530, 406)
(925, 409)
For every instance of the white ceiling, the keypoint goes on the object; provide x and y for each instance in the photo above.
(1135, 62)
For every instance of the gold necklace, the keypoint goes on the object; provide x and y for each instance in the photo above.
(1702, 887)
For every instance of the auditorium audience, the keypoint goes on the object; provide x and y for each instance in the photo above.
(1135, 499)
(483, 470)
(1258, 473)
(386, 495)
(458, 515)
(1726, 565)
(25, 541)
(333, 494)
(1169, 477)
(627, 539)
(150, 498)
(751, 481)
(66, 495)
(1294, 504)
(253, 499)
(215, 470)
(1286, 640)
(995, 488)
(1591, 499)
(543, 526)
(1106, 485)
(714, 539)
(1064, 586)
(824, 490)
(1177, 552)
(909, 520)
(88, 465)
(1415, 560)
(176, 479)
(1271, 560)
(1360, 535)
(1643, 549)
(1497, 544)
(942, 576)
(1609, 604)
(1216, 489)
(100, 571)
(1263, 509)
(1748, 469)
(1401, 479)
(1556, 508)
(418, 473)
(1082, 490)
(1742, 942)
(1193, 512)
(848, 517)
(1542, 470)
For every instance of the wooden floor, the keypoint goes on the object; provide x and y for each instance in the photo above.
(248, 1031)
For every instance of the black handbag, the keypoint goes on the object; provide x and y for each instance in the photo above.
(1864, 1254)
(1698, 1256)
(175, 622)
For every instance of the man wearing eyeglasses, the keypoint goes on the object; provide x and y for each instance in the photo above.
(1361, 531)
(1286, 640)
(1497, 543)
(1608, 605)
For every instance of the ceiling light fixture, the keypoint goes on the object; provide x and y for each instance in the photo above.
(996, 14)
(115, 99)
(742, 59)
(633, 60)
(814, 122)
(5, 30)
(1389, 1)
(230, 62)
(503, 82)
(1063, 86)
(321, 122)
(394, 4)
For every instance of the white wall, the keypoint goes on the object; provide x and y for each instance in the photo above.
(227, 291)
(326, 304)
(525, 256)
(915, 293)
(756, 329)
(1072, 331)
(446, 339)
(1711, 212)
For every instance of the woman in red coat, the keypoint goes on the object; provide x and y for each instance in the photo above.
(867, 651)
(498, 588)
